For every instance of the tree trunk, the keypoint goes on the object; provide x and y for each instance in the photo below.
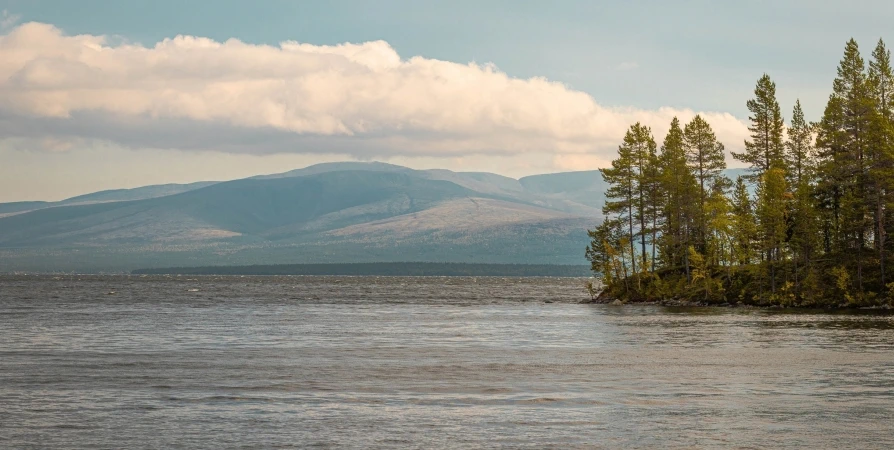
(881, 237)
(860, 262)
(632, 244)
(642, 239)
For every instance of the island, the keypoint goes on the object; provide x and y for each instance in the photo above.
(806, 225)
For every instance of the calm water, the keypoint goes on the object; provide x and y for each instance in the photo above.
(425, 362)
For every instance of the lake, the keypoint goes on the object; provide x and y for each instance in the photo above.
(372, 362)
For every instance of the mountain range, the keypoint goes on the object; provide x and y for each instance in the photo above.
(326, 213)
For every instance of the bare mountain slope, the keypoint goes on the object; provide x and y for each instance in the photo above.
(327, 213)
(114, 195)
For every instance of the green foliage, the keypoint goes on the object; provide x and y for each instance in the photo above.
(706, 161)
(771, 209)
(799, 151)
(680, 190)
(765, 149)
(813, 235)
(623, 187)
(744, 228)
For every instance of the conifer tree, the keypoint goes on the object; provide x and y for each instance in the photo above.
(881, 80)
(765, 148)
(819, 218)
(642, 146)
(629, 182)
(800, 160)
(720, 226)
(799, 148)
(743, 224)
(655, 199)
(771, 205)
(844, 137)
(681, 195)
(804, 230)
(831, 143)
(704, 155)
(602, 252)
(620, 197)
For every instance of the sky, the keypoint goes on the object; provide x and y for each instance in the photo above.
(109, 94)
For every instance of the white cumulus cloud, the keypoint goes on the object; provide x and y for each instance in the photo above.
(363, 100)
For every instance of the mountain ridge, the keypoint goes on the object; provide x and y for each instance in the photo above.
(332, 213)
(327, 213)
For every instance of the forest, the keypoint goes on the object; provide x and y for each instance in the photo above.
(806, 225)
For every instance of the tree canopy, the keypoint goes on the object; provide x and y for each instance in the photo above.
(806, 226)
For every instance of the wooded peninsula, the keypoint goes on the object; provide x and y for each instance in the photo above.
(806, 226)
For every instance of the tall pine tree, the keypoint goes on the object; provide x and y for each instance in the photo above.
(643, 149)
(743, 224)
(680, 201)
(704, 156)
(799, 155)
(771, 208)
(799, 159)
(881, 81)
(844, 136)
(630, 180)
(816, 230)
(765, 148)
(620, 197)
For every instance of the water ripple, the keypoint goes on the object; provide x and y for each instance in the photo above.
(372, 362)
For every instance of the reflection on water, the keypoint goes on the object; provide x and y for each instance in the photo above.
(425, 362)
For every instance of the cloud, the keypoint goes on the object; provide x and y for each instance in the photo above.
(570, 162)
(7, 19)
(627, 65)
(362, 100)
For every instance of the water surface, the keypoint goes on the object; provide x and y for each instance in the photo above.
(114, 361)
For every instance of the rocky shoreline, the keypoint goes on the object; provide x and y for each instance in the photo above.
(606, 300)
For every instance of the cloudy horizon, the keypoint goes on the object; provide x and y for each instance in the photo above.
(82, 111)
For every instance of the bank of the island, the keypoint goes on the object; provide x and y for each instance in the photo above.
(806, 225)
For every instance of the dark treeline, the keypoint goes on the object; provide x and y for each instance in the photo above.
(814, 233)
(382, 269)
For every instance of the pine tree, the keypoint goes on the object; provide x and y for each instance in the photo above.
(681, 195)
(800, 161)
(743, 224)
(881, 80)
(804, 231)
(642, 146)
(720, 243)
(704, 155)
(811, 233)
(766, 146)
(771, 207)
(799, 148)
(844, 137)
(626, 196)
(602, 252)
(655, 199)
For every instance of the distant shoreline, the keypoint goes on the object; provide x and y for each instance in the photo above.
(382, 269)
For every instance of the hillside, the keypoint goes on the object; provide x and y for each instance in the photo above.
(114, 195)
(326, 213)
(330, 213)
